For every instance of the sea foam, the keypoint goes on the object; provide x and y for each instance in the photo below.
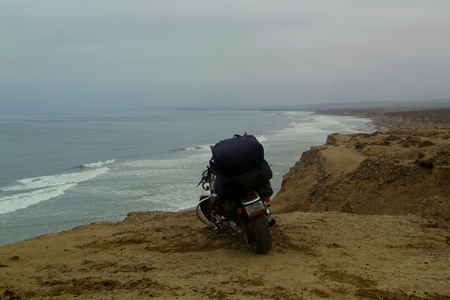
(99, 164)
(29, 191)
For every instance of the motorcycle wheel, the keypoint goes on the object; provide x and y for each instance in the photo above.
(260, 238)
(206, 208)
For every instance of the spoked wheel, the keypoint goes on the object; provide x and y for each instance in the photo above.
(260, 237)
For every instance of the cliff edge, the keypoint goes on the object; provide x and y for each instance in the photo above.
(404, 171)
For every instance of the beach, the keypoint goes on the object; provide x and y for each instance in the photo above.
(363, 216)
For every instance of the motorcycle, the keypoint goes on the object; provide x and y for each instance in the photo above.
(245, 215)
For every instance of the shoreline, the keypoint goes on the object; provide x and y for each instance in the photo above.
(385, 119)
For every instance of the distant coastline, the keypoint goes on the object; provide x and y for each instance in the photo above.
(386, 106)
(385, 118)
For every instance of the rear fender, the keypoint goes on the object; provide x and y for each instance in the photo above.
(252, 204)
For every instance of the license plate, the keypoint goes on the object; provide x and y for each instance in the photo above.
(255, 208)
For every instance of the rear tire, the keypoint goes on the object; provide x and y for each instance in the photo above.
(260, 238)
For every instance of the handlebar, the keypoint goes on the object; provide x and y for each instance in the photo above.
(205, 176)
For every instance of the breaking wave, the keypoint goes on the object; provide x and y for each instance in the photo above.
(29, 191)
(99, 164)
(186, 149)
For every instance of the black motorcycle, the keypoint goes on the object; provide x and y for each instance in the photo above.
(241, 210)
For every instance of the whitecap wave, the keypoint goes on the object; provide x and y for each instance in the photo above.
(178, 149)
(29, 191)
(99, 164)
(261, 138)
(187, 149)
(23, 200)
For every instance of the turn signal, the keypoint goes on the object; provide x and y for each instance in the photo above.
(239, 210)
(267, 200)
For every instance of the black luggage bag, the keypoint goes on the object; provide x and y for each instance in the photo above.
(240, 166)
(237, 154)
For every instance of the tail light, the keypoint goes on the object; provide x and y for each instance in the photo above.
(249, 196)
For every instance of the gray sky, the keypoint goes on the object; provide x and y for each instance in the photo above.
(92, 54)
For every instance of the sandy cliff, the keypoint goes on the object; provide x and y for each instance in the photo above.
(400, 172)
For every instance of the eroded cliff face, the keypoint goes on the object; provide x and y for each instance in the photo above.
(301, 181)
(404, 171)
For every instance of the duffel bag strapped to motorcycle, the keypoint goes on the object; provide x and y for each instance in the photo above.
(251, 179)
(237, 154)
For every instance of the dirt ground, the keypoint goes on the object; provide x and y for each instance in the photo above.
(168, 255)
(364, 216)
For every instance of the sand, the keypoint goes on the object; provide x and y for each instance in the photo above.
(362, 217)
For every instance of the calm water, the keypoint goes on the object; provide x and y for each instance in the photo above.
(58, 171)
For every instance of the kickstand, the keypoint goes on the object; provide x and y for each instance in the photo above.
(210, 226)
(215, 233)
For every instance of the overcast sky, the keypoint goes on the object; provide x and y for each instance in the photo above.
(117, 54)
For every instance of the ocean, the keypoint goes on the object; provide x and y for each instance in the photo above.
(59, 171)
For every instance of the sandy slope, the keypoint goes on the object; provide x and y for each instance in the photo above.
(169, 255)
(362, 217)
